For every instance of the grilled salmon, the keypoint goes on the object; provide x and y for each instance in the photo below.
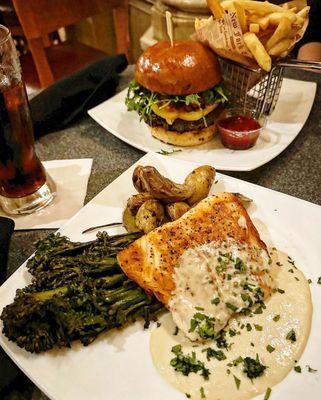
(150, 260)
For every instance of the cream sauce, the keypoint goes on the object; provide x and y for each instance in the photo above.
(294, 307)
(217, 280)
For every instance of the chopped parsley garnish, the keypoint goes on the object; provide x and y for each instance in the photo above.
(279, 264)
(319, 281)
(248, 327)
(168, 152)
(291, 336)
(276, 317)
(310, 281)
(270, 348)
(216, 301)
(186, 364)
(237, 361)
(267, 393)
(212, 353)
(202, 393)
(232, 332)
(203, 326)
(252, 367)
(291, 270)
(298, 369)
(311, 369)
(259, 310)
(221, 342)
(188, 395)
(231, 307)
(240, 265)
(199, 308)
(258, 327)
(176, 331)
(281, 291)
(237, 381)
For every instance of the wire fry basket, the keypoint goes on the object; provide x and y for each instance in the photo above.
(257, 89)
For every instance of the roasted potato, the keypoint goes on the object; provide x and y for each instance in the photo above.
(176, 210)
(129, 221)
(136, 201)
(150, 215)
(148, 179)
(200, 181)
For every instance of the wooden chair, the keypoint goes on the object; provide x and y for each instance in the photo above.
(39, 18)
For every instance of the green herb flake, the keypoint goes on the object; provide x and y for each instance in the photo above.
(231, 307)
(253, 368)
(311, 370)
(291, 336)
(309, 281)
(216, 301)
(319, 281)
(237, 361)
(279, 264)
(267, 393)
(259, 310)
(203, 325)
(212, 353)
(298, 369)
(176, 331)
(237, 382)
(270, 348)
(199, 308)
(240, 265)
(248, 327)
(258, 327)
(281, 291)
(186, 364)
(276, 317)
(202, 393)
(164, 152)
(188, 395)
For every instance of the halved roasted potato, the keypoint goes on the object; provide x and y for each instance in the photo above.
(150, 215)
(136, 201)
(176, 210)
(129, 221)
(200, 181)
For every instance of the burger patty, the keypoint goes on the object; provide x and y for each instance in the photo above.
(180, 125)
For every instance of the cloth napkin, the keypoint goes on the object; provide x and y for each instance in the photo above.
(68, 99)
(71, 178)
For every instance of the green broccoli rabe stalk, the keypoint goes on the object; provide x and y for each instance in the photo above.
(77, 292)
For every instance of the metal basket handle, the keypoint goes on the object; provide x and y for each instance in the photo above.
(300, 64)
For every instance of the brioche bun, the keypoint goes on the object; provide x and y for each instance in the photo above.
(186, 139)
(187, 67)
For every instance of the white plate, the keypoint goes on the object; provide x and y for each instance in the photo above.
(118, 364)
(292, 111)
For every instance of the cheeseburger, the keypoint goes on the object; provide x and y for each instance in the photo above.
(176, 92)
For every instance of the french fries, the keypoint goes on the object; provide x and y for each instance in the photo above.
(268, 31)
(258, 50)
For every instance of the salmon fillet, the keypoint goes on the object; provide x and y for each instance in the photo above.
(150, 260)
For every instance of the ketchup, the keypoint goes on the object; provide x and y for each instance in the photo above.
(239, 132)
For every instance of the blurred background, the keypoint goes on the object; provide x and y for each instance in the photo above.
(56, 38)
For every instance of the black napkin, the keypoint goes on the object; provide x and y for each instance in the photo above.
(69, 99)
(6, 230)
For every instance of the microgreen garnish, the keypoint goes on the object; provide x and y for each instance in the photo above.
(319, 281)
(164, 152)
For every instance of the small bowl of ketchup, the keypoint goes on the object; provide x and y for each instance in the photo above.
(239, 129)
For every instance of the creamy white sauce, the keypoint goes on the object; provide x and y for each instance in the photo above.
(217, 280)
(295, 309)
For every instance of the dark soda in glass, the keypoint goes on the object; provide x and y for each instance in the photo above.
(21, 172)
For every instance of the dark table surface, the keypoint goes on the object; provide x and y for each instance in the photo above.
(297, 172)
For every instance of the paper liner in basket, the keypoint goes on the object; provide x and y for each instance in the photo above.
(225, 37)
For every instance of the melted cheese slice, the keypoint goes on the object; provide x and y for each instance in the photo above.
(172, 114)
(295, 309)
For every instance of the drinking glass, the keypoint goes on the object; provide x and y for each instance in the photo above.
(24, 184)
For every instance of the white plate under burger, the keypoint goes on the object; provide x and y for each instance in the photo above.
(285, 123)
